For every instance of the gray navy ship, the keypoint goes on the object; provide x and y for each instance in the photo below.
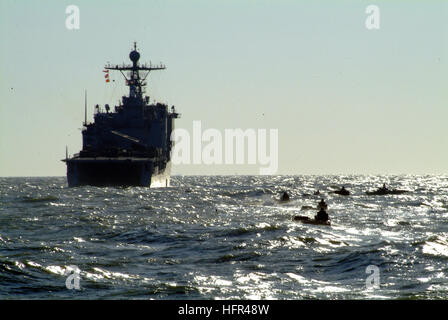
(129, 146)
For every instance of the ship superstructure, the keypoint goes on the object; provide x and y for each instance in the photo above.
(130, 145)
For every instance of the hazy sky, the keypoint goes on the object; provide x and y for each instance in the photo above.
(343, 98)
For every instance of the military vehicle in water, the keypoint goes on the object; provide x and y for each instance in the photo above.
(130, 146)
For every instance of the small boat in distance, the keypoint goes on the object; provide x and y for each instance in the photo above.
(284, 197)
(385, 191)
(308, 220)
(321, 217)
(342, 192)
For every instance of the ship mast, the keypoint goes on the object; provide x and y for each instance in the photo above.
(85, 107)
(133, 80)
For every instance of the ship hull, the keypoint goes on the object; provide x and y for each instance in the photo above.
(120, 172)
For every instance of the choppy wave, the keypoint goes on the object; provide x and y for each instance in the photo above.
(224, 237)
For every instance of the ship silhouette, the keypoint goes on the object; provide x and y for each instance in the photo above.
(131, 145)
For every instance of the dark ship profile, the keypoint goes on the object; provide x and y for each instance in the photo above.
(129, 146)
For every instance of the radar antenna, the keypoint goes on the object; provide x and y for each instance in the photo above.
(133, 80)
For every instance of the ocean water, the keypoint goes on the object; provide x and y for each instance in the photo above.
(224, 237)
